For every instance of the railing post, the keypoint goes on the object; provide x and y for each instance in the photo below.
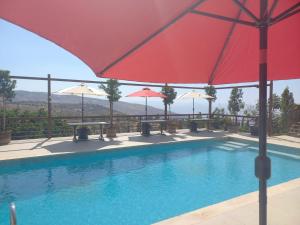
(49, 107)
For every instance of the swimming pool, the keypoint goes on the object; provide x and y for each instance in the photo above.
(135, 186)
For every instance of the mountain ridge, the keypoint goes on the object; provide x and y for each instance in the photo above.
(71, 104)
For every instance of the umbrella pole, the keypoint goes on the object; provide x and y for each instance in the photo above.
(81, 107)
(193, 108)
(146, 109)
(262, 162)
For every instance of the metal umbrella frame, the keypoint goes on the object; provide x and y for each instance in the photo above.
(81, 90)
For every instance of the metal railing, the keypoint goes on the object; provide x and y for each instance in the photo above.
(37, 127)
(12, 214)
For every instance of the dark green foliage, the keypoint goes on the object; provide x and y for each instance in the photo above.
(210, 90)
(286, 107)
(7, 93)
(34, 124)
(236, 104)
(7, 86)
(112, 89)
(276, 102)
(171, 95)
(114, 94)
(218, 118)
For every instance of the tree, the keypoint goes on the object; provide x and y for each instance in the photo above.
(286, 106)
(218, 115)
(7, 93)
(171, 95)
(211, 91)
(113, 95)
(235, 103)
(276, 102)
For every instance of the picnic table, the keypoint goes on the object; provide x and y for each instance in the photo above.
(194, 123)
(145, 126)
(75, 125)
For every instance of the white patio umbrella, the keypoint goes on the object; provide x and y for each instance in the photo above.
(81, 90)
(194, 95)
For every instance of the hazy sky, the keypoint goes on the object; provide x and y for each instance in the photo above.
(26, 54)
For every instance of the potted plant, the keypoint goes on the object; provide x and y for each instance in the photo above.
(113, 95)
(83, 133)
(171, 95)
(211, 91)
(7, 87)
(235, 105)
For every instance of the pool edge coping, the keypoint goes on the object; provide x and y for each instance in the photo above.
(208, 212)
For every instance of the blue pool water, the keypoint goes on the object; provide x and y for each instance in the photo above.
(136, 186)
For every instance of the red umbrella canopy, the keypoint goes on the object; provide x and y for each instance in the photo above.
(174, 41)
(202, 49)
(146, 92)
(96, 31)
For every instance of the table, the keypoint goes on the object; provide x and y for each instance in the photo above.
(194, 124)
(101, 124)
(161, 122)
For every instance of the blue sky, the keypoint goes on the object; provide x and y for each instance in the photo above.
(26, 54)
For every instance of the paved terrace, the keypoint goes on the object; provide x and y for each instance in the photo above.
(284, 199)
(64, 145)
(283, 209)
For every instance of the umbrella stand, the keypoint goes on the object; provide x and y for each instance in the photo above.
(262, 161)
(146, 107)
(193, 108)
(82, 107)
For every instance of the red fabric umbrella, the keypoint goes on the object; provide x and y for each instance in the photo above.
(146, 93)
(183, 45)
(176, 41)
(202, 49)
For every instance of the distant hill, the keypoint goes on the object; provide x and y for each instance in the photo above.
(70, 105)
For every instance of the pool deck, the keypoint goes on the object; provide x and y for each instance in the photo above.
(19, 149)
(283, 209)
(284, 199)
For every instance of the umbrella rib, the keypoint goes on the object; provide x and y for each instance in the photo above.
(213, 73)
(287, 13)
(224, 18)
(273, 8)
(186, 11)
(285, 17)
(247, 11)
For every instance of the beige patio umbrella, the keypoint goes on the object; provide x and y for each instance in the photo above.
(194, 95)
(81, 90)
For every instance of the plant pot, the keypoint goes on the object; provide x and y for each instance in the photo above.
(254, 130)
(146, 129)
(193, 126)
(171, 127)
(233, 128)
(111, 132)
(83, 133)
(5, 137)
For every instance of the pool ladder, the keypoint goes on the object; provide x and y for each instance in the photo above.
(12, 214)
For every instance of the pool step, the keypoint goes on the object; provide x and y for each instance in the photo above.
(237, 143)
(233, 146)
(225, 148)
(277, 153)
